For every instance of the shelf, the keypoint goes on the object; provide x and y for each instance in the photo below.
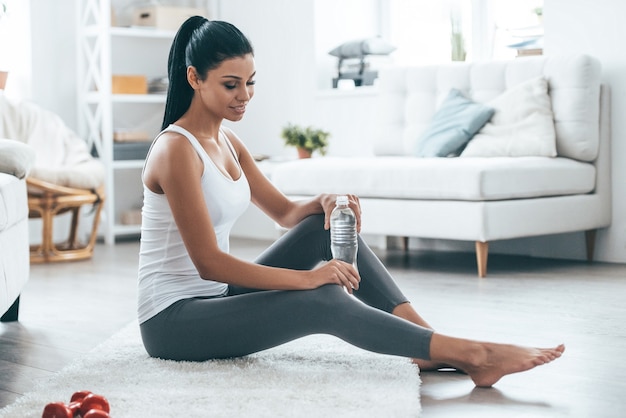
(95, 97)
(120, 229)
(142, 32)
(104, 51)
(339, 93)
(128, 164)
(131, 32)
(139, 98)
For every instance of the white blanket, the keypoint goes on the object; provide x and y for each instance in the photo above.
(62, 157)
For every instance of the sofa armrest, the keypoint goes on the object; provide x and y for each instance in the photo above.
(16, 158)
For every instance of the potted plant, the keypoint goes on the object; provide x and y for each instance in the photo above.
(538, 11)
(306, 140)
(456, 38)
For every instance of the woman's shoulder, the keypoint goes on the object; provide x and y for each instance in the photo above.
(172, 144)
(174, 132)
(172, 135)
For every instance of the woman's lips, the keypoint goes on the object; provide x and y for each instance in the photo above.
(239, 109)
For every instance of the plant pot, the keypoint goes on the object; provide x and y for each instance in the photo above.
(3, 79)
(304, 153)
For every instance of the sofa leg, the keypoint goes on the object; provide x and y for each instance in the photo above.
(393, 242)
(482, 251)
(590, 241)
(11, 314)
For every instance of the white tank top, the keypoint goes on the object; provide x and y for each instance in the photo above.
(166, 272)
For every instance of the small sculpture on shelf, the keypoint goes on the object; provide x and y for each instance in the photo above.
(353, 60)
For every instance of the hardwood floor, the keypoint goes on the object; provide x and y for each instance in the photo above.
(67, 309)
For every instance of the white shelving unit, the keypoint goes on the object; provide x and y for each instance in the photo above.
(103, 51)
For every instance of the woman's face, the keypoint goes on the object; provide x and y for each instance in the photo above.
(228, 88)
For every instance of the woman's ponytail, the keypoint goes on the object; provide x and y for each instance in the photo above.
(179, 92)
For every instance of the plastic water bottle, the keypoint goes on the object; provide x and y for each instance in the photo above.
(343, 235)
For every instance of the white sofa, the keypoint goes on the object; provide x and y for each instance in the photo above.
(15, 162)
(479, 199)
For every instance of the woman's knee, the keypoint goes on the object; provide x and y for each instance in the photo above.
(312, 223)
(327, 298)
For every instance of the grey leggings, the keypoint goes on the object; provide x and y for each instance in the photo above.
(250, 320)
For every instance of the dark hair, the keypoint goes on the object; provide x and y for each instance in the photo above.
(203, 44)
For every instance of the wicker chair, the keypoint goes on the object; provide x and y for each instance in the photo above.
(46, 201)
(64, 178)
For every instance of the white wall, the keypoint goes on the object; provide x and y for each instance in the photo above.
(597, 28)
(53, 81)
(283, 33)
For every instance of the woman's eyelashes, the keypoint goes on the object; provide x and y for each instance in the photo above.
(232, 86)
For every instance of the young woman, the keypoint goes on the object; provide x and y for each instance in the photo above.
(197, 302)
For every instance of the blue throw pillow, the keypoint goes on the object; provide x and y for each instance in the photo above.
(456, 121)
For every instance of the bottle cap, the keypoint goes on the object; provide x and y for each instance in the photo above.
(342, 200)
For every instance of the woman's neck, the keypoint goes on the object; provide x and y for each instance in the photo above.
(200, 124)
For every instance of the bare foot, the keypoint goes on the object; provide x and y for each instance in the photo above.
(490, 362)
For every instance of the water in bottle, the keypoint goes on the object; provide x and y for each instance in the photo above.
(343, 235)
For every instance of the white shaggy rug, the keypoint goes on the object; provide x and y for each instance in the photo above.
(316, 376)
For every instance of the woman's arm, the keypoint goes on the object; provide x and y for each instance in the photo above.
(175, 169)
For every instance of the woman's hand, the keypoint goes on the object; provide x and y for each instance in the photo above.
(335, 272)
(328, 204)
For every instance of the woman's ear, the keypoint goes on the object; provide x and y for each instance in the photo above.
(192, 77)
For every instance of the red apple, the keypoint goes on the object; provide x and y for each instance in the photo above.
(75, 407)
(93, 401)
(96, 413)
(57, 410)
(79, 396)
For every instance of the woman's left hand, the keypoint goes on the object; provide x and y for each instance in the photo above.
(328, 204)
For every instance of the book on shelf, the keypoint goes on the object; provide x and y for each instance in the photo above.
(529, 52)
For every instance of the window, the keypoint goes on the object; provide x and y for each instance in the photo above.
(424, 31)
(517, 23)
(15, 47)
(489, 29)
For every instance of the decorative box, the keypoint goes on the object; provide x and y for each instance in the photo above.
(131, 217)
(164, 17)
(122, 135)
(129, 84)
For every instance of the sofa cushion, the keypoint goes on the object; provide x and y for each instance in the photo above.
(85, 175)
(473, 179)
(410, 96)
(521, 126)
(13, 201)
(453, 125)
